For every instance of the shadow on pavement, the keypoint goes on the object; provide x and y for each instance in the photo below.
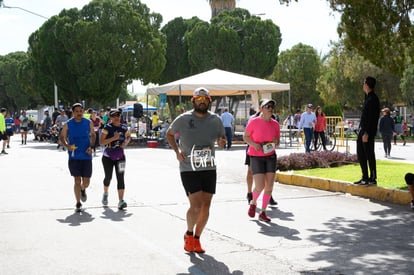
(384, 245)
(116, 216)
(77, 218)
(272, 229)
(205, 264)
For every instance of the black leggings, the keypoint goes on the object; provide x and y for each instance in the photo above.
(108, 165)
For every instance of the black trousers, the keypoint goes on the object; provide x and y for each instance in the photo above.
(366, 157)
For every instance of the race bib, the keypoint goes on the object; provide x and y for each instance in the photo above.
(268, 147)
(121, 166)
(201, 157)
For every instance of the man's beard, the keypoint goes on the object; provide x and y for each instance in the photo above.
(201, 110)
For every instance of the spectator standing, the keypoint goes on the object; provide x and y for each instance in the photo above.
(320, 127)
(3, 135)
(47, 122)
(16, 124)
(296, 119)
(97, 126)
(115, 137)
(228, 122)
(55, 114)
(198, 129)
(411, 124)
(9, 128)
(307, 122)
(78, 136)
(60, 120)
(155, 120)
(262, 134)
(398, 120)
(386, 128)
(367, 130)
(409, 180)
(24, 125)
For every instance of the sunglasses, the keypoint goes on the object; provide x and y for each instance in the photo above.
(116, 115)
(201, 98)
(269, 106)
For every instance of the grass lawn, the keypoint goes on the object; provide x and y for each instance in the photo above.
(390, 173)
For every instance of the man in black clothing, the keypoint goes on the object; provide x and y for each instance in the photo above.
(367, 131)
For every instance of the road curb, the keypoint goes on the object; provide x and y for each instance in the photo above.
(371, 192)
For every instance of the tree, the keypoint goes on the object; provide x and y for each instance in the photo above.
(12, 93)
(380, 31)
(91, 53)
(407, 85)
(235, 41)
(299, 66)
(341, 79)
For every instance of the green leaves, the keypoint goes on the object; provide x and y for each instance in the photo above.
(91, 53)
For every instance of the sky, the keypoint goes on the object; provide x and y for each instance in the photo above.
(310, 22)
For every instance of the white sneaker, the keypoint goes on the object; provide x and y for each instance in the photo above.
(412, 204)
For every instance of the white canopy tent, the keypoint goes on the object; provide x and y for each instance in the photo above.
(219, 83)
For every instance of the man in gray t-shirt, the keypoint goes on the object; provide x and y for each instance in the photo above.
(198, 131)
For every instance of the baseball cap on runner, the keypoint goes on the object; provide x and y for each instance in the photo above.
(309, 105)
(201, 92)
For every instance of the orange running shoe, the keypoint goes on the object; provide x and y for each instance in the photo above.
(188, 243)
(197, 246)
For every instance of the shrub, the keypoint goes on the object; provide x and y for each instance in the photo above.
(323, 159)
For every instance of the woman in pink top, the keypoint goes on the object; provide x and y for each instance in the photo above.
(320, 126)
(262, 134)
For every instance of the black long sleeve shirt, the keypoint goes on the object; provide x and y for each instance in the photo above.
(370, 114)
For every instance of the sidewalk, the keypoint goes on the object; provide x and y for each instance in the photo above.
(399, 153)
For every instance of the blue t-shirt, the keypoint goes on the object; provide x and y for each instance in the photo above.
(79, 135)
(9, 125)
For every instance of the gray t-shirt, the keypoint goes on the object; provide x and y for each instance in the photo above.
(197, 137)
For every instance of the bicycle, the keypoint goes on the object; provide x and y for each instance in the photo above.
(330, 142)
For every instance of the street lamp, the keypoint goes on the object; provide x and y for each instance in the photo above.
(32, 12)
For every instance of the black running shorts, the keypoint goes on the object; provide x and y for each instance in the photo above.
(263, 165)
(195, 181)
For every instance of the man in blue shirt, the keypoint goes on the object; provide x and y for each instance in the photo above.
(228, 121)
(78, 136)
(307, 122)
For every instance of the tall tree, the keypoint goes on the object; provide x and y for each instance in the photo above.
(299, 66)
(12, 93)
(380, 31)
(235, 41)
(91, 53)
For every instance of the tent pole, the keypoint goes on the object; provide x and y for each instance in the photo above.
(289, 114)
(179, 99)
(245, 105)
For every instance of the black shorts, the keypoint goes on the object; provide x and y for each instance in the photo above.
(262, 165)
(3, 136)
(23, 129)
(195, 181)
(9, 134)
(247, 160)
(409, 178)
(80, 168)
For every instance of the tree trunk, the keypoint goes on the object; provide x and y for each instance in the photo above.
(218, 5)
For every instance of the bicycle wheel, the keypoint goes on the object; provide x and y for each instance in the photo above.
(330, 141)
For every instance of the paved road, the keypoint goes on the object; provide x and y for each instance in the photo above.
(312, 231)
